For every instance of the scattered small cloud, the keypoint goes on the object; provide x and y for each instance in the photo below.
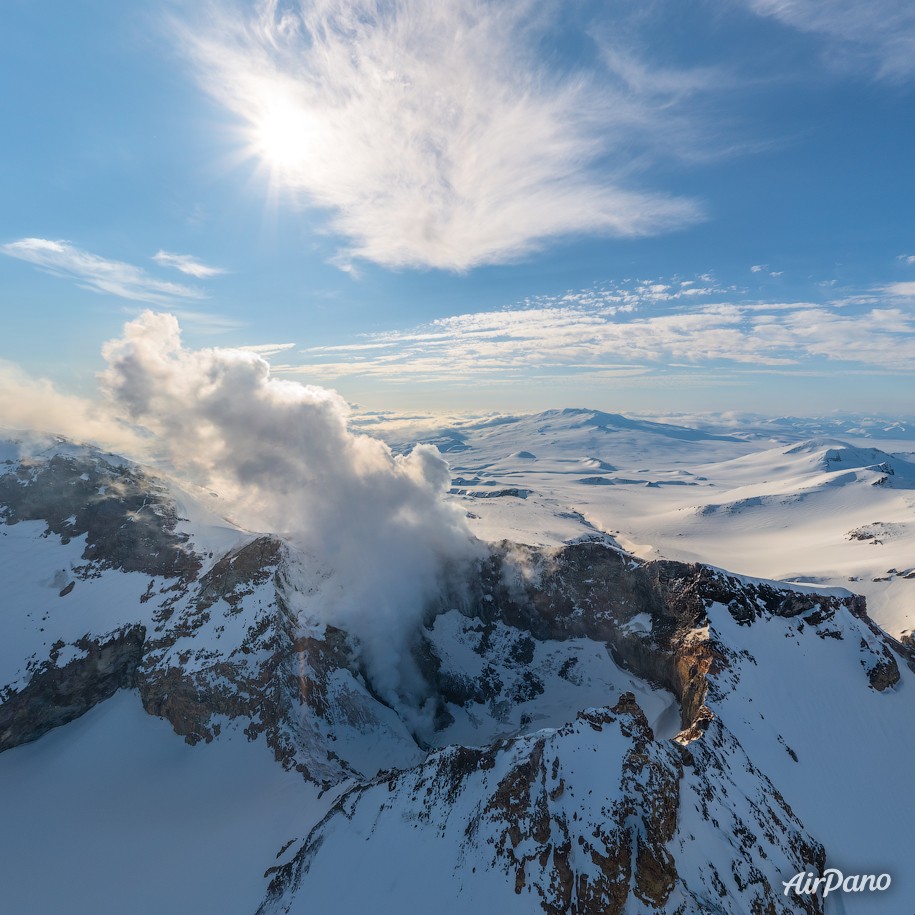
(187, 264)
(99, 274)
(907, 259)
(764, 268)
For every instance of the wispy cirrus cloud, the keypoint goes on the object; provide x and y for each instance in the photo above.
(265, 350)
(645, 330)
(99, 274)
(879, 34)
(187, 264)
(433, 132)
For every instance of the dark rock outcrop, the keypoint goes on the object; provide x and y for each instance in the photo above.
(592, 590)
(127, 518)
(56, 695)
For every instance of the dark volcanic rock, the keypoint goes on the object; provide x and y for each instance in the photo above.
(592, 590)
(238, 573)
(56, 695)
(127, 517)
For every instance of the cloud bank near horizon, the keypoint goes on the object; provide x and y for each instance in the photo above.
(634, 331)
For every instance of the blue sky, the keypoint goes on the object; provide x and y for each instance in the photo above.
(633, 206)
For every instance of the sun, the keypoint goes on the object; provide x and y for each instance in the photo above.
(282, 134)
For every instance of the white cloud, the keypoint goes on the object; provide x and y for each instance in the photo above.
(186, 264)
(903, 290)
(878, 33)
(907, 259)
(97, 273)
(758, 268)
(433, 132)
(265, 350)
(628, 334)
(377, 532)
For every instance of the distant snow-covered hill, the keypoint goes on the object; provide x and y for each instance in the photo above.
(781, 499)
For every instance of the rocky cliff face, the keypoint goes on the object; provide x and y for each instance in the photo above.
(597, 816)
(72, 680)
(585, 750)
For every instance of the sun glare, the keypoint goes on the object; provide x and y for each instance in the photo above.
(282, 134)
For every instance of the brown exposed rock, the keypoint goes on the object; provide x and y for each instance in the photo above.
(645, 818)
(605, 854)
(238, 573)
(884, 674)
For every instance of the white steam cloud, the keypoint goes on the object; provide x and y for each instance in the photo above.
(374, 525)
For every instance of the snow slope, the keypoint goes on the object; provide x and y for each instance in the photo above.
(114, 814)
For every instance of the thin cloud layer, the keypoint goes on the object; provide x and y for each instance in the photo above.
(641, 331)
(266, 350)
(187, 264)
(901, 290)
(99, 274)
(37, 405)
(878, 33)
(432, 133)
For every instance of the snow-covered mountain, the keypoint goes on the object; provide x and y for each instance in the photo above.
(587, 730)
